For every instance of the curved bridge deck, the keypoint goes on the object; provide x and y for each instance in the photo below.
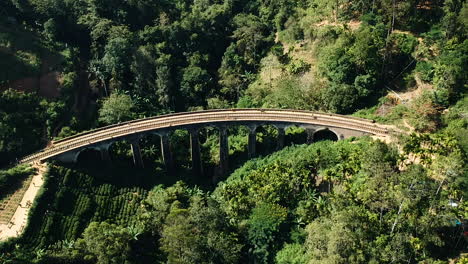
(345, 125)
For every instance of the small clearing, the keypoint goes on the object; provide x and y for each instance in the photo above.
(421, 87)
(353, 24)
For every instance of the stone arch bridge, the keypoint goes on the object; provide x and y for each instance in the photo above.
(68, 149)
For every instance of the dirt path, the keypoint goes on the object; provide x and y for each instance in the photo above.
(405, 123)
(353, 24)
(19, 220)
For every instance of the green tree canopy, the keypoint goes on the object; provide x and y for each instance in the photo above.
(107, 243)
(116, 108)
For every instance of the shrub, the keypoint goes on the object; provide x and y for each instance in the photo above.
(425, 70)
(291, 254)
(264, 230)
(297, 66)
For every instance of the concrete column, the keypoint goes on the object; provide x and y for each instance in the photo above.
(197, 167)
(310, 135)
(280, 140)
(252, 141)
(223, 150)
(105, 153)
(166, 153)
(136, 151)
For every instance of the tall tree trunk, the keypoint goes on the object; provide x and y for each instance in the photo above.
(393, 15)
(399, 212)
(396, 219)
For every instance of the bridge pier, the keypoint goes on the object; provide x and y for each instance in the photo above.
(197, 167)
(223, 150)
(310, 135)
(280, 139)
(252, 141)
(105, 154)
(104, 150)
(166, 153)
(136, 151)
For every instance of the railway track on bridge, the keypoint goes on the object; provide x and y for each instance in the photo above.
(205, 118)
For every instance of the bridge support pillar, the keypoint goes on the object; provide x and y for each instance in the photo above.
(223, 150)
(310, 135)
(197, 167)
(280, 139)
(136, 151)
(105, 153)
(166, 153)
(252, 141)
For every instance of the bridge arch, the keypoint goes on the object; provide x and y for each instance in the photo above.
(88, 154)
(326, 134)
(101, 138)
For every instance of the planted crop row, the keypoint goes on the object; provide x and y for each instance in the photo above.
(72, 199)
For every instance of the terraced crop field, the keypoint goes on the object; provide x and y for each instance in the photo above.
(10, 202)
(73, 198)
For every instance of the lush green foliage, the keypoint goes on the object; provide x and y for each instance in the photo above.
(344, 202)
(359, 220)
(265, 224)
(190, 226)
(22, 132)
(107, 243)
(354, 201)
(116, 108)
(278, 180)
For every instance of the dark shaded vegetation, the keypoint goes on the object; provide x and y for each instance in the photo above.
(25, 122)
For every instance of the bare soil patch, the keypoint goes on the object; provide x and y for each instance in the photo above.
(29, 84)
(353, 24)
(49, 85)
